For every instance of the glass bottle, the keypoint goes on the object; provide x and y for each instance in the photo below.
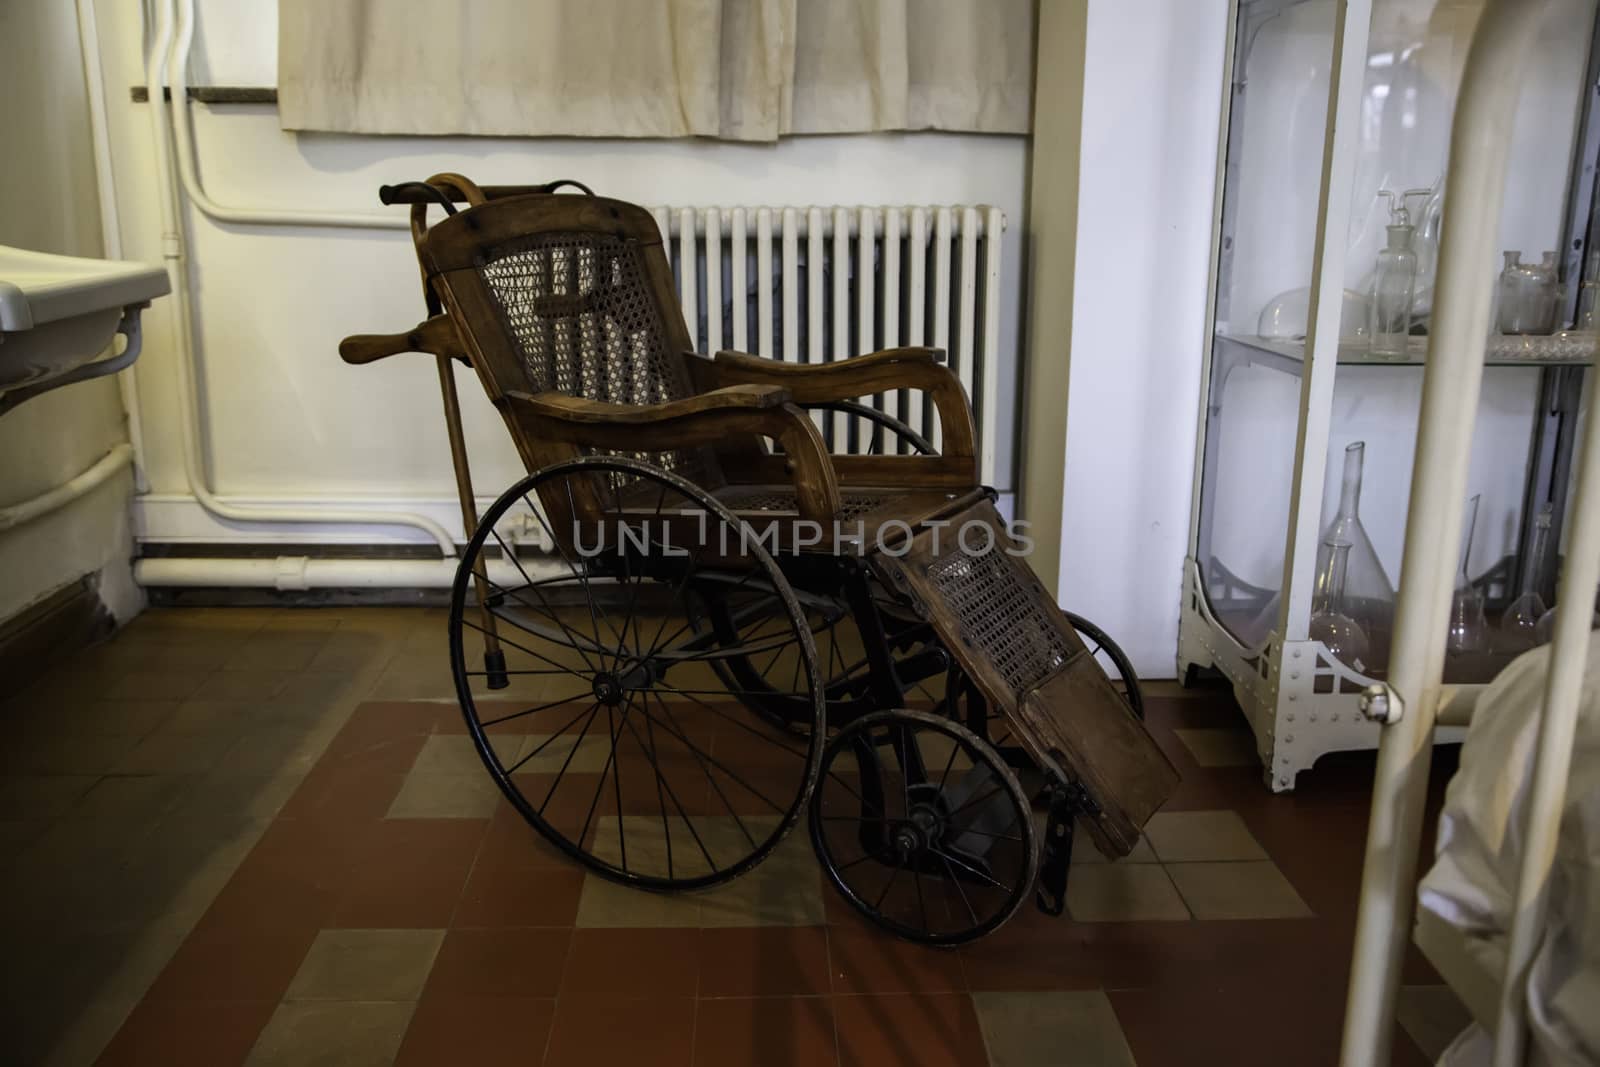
(1343, 637)
(1514, 295)
(1368, 593)
(1589, 296)
(1394, 282)
(1519, 626)
(1546, 295)
(1469, 627)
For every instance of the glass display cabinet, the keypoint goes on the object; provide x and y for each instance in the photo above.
(1330, 193)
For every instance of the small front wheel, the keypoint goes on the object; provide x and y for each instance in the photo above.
(923, 828)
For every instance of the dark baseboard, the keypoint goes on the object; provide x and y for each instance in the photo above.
(70, 619)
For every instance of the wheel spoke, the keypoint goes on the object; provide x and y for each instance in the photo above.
(957, 882)
(549, 612)
(741, 725)
(486, 723)
(702, 759)
(969, 868)
(594, 709)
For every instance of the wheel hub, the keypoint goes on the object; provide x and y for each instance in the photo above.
(608, 690)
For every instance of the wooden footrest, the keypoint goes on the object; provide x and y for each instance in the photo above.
(1019, 649)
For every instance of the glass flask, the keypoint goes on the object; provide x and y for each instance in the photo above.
(1469, 627)
(1519, 626)
(1344, 638)
(1368, 595)
(1286, 315)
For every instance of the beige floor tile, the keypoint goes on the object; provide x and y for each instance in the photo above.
(242, 685)
(332, 1035)
(445, 796)
(244, 794)
(200, 716)
(272, 750)
(1084, 850)
(18, 834)
(1255, 890)
(1432, 1015)
(366, 965)
(1187, 836)
(39, 796)
(69, 754)
(134, 796)
(155, 685)
(134, 717)
(1213, 747)
(1035, 1029)
(276, 650)
(785, 889)
(1123, 892)
(607, 904)
(456, 754)
(162, 753)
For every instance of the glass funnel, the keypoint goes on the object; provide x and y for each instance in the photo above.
(1469, 627)
(1345, 639)
(1367, 593)
(1519, 626)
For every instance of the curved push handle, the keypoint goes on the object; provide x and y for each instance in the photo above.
(435, 336)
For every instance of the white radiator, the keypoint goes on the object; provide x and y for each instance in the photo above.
(814, 284)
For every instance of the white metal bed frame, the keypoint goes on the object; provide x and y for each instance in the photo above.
(1409, 704)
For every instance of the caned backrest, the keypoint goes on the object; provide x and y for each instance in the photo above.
(568, 294)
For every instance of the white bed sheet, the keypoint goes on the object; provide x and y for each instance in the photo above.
(1480, 846)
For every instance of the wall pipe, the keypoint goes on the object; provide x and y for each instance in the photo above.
(178, 85)
(120, 456)
(1480, 147)
(299, 573)
(173, 253)
(110, 218)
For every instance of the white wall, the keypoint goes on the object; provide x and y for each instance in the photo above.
(1151, 100)
(48, 202)
(285, 417)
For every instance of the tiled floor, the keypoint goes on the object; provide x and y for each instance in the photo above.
(260, 836)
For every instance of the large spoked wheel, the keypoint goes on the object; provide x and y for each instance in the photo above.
(923, 828)
(619, 738)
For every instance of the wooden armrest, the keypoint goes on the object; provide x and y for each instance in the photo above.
(743, 363)
(579, 409)
(703, 419)
(436, 336)
(917, 368)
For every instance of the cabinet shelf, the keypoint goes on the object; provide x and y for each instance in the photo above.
(1570, 349)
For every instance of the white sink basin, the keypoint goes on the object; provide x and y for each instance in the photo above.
(57, 313)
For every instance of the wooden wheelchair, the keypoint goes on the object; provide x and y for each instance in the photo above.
(727, 620)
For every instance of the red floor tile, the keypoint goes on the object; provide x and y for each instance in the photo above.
(187, 1033)
(870, 961)
(500, 963)
(1265, 1025)
(609, 1031)
(764, 961)
(237, 968)
(448, 1031)
(409, 873)
(638, 962)
(520, 896)
(769, 1031)
(909, 1030)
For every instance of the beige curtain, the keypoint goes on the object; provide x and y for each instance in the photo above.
(749, 70)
